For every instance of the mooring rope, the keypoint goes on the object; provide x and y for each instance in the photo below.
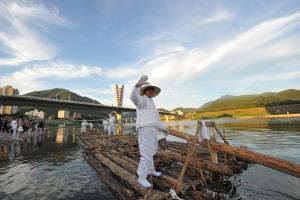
(191, 150)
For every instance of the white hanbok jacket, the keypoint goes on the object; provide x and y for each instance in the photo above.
(146, 113)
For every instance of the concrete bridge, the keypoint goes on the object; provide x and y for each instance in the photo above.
(63, 104)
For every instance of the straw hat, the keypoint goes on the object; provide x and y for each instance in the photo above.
(156, 89)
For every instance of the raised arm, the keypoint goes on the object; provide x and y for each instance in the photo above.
(135, 96)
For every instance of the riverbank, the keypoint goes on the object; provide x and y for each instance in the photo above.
(297, 115)
(284, 111)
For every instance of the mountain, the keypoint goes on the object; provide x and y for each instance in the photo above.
(60, 93)
(230, 102)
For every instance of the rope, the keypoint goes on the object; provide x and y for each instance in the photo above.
(190, 154)
(203, 181)
(191, 150)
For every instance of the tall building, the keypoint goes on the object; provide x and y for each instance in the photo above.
(9, 91)
(119, 91)
(63, 114)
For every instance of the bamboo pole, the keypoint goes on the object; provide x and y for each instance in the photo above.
(265, 160)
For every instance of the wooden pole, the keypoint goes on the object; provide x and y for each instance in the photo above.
(265, 160)
(205, 165)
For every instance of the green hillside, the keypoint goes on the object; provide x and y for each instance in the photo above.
(230, 102)
(60, 93)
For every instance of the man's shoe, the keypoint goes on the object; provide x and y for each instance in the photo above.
(144, 183)
(156, 173)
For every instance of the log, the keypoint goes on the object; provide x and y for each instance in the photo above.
(197, 195)
(133, 168)
(129, 178)
(215, 168)
(120, 191)
(265, 160)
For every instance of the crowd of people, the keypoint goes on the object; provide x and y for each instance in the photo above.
(84, 124)
(111, 124)
(15, 127)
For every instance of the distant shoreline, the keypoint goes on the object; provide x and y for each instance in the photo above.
(283, 111)
(270, 116)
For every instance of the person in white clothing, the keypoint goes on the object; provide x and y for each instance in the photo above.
(91, 125)
(14, 126)
(112, 124)
(105, 125)
(83, 126)
(148, 124)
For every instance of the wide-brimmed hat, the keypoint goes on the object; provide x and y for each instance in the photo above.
(148, 85)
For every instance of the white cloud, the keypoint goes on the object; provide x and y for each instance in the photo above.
(183, 65)
(220, 15)
(266, 41)
(121, 73)
(32, 77)
(20, 37)
(37, 12)
(279, 76)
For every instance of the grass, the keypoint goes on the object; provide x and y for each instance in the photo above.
(259, 111)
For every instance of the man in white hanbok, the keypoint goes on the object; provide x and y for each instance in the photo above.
(105, 125)
(148, 124)
(83, 126)
(112, 124)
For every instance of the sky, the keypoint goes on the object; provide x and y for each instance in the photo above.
(195, 51)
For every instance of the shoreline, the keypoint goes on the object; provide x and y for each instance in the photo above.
(270, 116)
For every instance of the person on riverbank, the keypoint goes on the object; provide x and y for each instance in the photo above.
(91, 125)
(36, 127)
(40, 127)
(1, 123)
(13, 126)
(20, 129)
(83, 126)
(112, 124)
(105, 125)
(147, 123)
(119, 124)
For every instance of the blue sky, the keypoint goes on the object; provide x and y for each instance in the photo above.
(196, 51)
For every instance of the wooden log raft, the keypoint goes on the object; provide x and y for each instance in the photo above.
(212, 167)
(119, 190)
(119, 156)
(268, 161)
(130, 178)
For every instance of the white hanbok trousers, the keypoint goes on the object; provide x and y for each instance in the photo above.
(147, 138)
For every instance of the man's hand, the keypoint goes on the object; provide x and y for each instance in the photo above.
(142, 81)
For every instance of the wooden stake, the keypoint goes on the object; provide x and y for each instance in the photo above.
(268, 161)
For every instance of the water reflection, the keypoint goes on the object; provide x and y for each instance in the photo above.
(60, 135)
(48, 166)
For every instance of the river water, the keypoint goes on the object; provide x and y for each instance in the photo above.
(52, 166)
